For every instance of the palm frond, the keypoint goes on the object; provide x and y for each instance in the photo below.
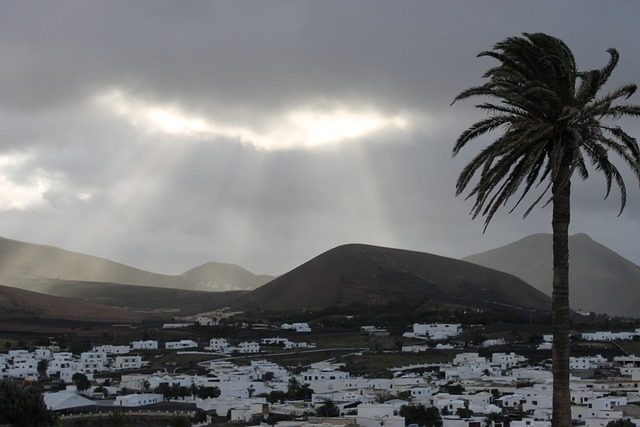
(553, 125)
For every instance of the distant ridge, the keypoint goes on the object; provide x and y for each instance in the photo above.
(217, 276)
(600, 280)
(38, 267)
(372, 275)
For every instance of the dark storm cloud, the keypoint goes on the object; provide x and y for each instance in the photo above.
(170, 202)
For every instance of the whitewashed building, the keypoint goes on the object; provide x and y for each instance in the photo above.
(145, 345)
(132, 400)
(182, 344)
(127, 362)
(220, 345)
(112, 349)
(298, 327)
(437, 331)
(92, 361)
(377, 414)
(207, 321)
(248, 347)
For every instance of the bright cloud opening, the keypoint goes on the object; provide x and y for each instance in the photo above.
(19, 195)
(304, 127)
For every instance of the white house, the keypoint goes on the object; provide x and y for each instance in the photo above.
(176, 325)
(377, 414)
(131, 400)
(127, 362)
(274, 341)
(64, 400)
(61, 362)
(301, 344)
(607, 336)
(507, 360)
(298, 327)
(145, 345)
(135, 381)
(112, 349)
(322, 374)
(219, 345)
(248, 347)
(207, 321)
(586, 362)
(92, 361)
(493, 342)
(43, 354)
(22, 366)
(436, 331)
(177, 345)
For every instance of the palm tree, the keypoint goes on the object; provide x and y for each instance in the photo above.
(554, 123)
(118, 418)
(180, 420)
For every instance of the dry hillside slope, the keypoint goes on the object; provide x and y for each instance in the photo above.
(374, 275)
(600, 280)
(19, 303)
(39, 267)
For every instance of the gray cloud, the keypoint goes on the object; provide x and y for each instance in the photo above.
(170, 202)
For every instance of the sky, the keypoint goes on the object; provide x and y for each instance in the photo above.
(164, 135)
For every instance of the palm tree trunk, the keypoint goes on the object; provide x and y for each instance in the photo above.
(560, 298)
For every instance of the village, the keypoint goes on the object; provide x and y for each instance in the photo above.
(238, 382)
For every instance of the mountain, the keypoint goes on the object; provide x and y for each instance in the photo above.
(372, 275)
(600, 280)
(19, 303)
(219, 277)
(39, 267)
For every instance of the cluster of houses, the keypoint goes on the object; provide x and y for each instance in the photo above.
(466, 390)
(610, 336)
(23, 364)
(485, 385)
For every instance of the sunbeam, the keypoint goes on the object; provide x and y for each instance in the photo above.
(307, 126)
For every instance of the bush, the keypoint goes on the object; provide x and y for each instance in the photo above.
(23, 406)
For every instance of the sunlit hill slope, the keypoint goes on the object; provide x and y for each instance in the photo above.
(39, 268)
(600, 280)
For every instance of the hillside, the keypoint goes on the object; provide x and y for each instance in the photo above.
(373, 275)
(600, 280)
(176, 301)
(19, 303)
(39, 267)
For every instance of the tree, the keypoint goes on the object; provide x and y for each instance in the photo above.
(23, 406)
(81, 381)
(554, 124)
(420, 414)
(296, 391)
(43, 364)
(268, 376)
(277, 396)
(165, 390)
(293, 388)
(620, 422)
(465, 412)
(328, 409)
(207, 392)
(492, 418)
